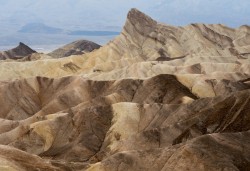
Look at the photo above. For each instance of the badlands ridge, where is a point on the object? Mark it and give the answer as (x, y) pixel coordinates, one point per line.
(156, 98)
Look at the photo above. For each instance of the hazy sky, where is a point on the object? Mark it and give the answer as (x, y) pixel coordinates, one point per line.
(111, 14)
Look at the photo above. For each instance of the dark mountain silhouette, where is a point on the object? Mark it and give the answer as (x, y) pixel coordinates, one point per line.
(39, 28)
(18, 52)
(75, 48)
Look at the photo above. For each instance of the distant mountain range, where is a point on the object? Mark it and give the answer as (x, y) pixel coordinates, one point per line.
(94, 33)
(38, 33)
(40, 28)
(45, 29)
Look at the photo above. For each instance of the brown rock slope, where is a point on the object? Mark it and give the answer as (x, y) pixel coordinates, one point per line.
(126, 107)
(18, 52)
(78, 47)
(75, 122)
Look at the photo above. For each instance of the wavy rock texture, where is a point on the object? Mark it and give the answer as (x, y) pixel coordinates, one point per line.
(157, 97)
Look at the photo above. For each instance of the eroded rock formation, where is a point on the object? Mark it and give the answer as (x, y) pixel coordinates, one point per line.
(121, 108)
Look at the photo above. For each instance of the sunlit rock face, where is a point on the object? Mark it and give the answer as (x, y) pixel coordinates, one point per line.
(157, 97)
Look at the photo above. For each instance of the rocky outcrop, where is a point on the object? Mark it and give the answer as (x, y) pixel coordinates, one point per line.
(75, 48)
(157, 97)
(197, 154)
(18, 52)
(12, 159)
(74, 121)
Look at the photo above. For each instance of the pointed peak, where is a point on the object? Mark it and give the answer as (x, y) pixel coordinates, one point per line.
(134, 12)
(22, 49)
(134, 15)
(137, 20)
(22, 44)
